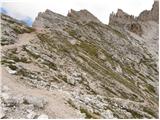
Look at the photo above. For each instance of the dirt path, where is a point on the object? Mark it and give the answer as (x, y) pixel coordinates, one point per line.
(57, 106)
(23, 40)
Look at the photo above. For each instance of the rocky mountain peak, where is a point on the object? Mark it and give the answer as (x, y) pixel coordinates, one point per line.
(120, 18)
(150, 15)
(83, 16)
(131, 23)
(47, 19)
(121, 13)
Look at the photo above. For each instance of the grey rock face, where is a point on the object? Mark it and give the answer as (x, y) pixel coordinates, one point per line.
(82, 16)
(103, 71)
(132, 23)
(36, 101)
(120, 18)
(152, 15)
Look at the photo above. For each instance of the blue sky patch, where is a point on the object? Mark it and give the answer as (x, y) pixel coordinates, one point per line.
(27, 20)
(3, 10)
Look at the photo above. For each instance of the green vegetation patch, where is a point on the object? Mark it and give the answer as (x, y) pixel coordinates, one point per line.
(150, 111)
(88, 114)
(89, 48)
(72, 33)
(150, 88)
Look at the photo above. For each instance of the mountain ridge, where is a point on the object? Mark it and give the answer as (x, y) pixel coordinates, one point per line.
(92, 70)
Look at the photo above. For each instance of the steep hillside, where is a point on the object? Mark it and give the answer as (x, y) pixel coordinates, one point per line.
(74, 66)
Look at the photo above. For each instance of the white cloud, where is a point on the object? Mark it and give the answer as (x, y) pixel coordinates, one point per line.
(100, 8)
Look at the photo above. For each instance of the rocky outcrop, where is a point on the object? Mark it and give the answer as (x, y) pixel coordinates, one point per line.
(82, 16)
(150, 15)
(132, 23)
(47, 19)
(83, 68)
(120, 18)
(123, 20)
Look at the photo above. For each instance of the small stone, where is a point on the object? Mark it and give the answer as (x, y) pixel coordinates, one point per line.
(30, 108)
(5, 96)
(119, 69)
(11, 71)
(2, 115)
(31, 115)
(108, 114)
(70, 80)
(73, 41)
(5, 88)
(36, 101)
(43, 116)
(101, 56)
(11, 101)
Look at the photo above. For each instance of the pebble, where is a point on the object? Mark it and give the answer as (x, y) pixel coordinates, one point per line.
(31, 115)
(43, 116)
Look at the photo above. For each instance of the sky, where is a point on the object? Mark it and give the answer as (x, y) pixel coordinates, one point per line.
(27, 10)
